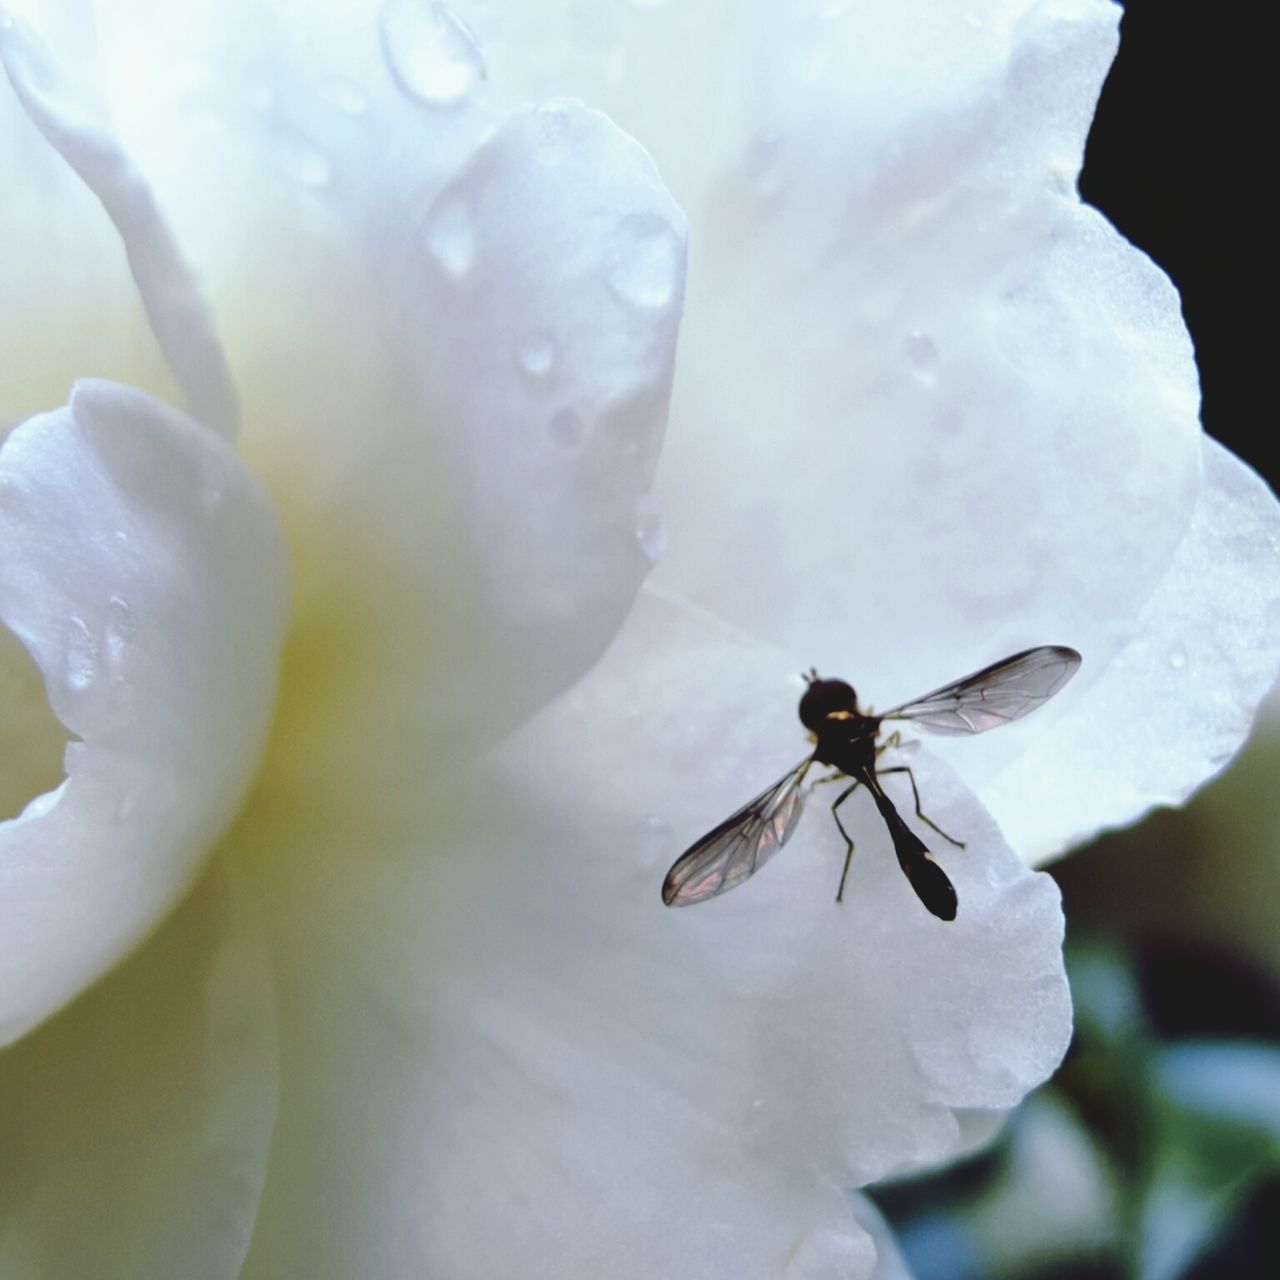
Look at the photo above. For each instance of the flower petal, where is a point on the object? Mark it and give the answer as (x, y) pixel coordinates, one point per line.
(1181, 696)
(142, 569)
(136, 1125)
(481, 315)
(929, 409)
(551, 1062)
(658, 69)
(74, 126)
(890, 1264)
(524, 322)
(548, 351)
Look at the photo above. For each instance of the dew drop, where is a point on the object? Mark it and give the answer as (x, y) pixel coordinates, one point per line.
(212, 496)
(657, 830)
(450, 235)
(763, 166)
(555, 130)
(81, 655)
(567, 429)
(431, 52)
(643, 261)
(922, 355)
(346, 97)
(654, 839)
(122, 626)
(1178, 659)
(536, 355)
(29, 65)
(650, 529)
(303, 161)
(128, 803)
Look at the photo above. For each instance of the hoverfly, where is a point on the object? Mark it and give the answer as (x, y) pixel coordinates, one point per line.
(846, 738)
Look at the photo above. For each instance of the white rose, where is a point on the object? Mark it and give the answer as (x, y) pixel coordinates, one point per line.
(378, 983)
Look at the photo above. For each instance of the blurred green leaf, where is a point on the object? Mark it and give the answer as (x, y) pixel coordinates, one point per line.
(1217, 1135)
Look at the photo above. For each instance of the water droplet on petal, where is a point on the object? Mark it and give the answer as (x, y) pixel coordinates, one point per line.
(128, 803)
(211, 496)
(28, 62)
(655, 841)
(922, 355)
(450, 235)
(344, 95)
(303, 161)
(1178, 659)
(567, 429)
(763, 166)
(81, 655)
(122, 626)
(643, 261)
(431, 52)
(555, 129)
(657, 829)
(650, 529)
(536, 355)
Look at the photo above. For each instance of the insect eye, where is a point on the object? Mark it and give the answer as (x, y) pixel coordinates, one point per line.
(822, 698)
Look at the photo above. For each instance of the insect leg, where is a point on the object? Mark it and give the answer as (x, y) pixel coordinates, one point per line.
(848, 856)
(834, 776)
(902, 768)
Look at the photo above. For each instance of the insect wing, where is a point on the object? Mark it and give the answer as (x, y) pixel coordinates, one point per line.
(1004, 691)
(736, 849)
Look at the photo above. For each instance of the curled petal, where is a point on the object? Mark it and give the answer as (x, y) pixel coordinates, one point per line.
(74, 126)
(467, 309)
(142, 569)
(544, 316)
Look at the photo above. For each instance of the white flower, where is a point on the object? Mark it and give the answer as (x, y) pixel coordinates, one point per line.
(422, 1012)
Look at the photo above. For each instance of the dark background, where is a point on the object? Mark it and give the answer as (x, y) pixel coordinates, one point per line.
(1181, 149)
